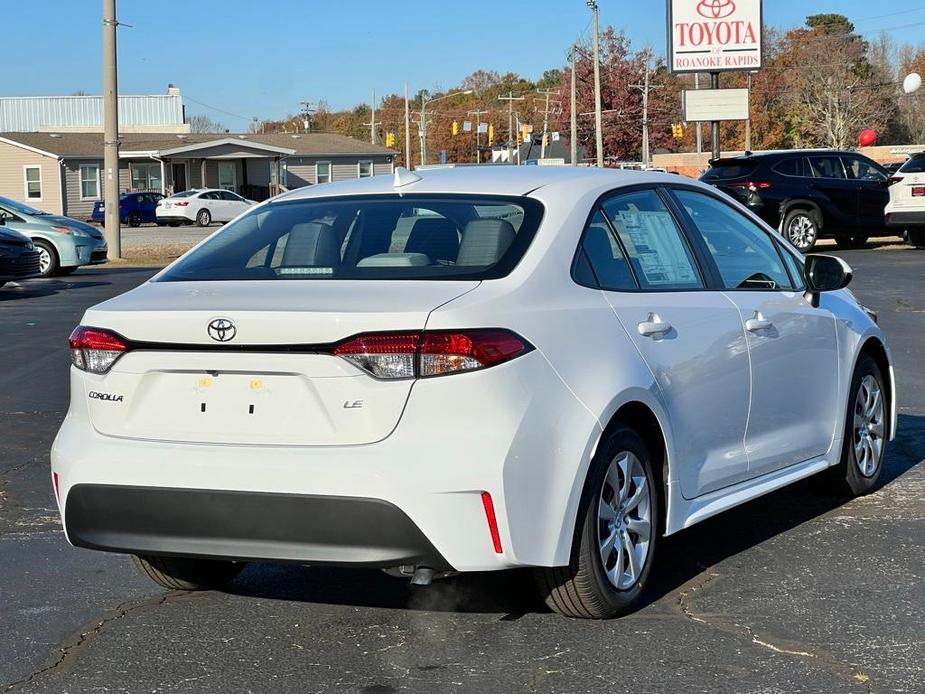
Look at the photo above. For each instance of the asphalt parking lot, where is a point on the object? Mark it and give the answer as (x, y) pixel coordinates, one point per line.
(795, 592)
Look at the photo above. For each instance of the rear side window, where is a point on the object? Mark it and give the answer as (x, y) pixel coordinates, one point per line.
(607, 266)
(796, 166)
(827, 167)
(370, 237)
(655, 245)
(915, 165)
(729, 170)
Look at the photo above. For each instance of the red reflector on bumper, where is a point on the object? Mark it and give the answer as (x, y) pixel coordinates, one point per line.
(56, 481)
(492, 521)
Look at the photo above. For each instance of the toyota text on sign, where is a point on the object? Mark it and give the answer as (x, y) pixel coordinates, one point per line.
(714, 35)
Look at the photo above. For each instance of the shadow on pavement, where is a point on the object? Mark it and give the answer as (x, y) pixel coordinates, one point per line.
(681, 557)
(55, 285)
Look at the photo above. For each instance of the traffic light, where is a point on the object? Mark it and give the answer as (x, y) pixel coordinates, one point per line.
(390, 139)
(456, 127)
(677, 131)
(491, 134)
(545, 139)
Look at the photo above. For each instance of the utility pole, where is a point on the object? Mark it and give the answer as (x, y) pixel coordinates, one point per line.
(645, 87)
(699, 130)
(598, 128)
(574, 131)
(511, 137)
(748, 121)
(478, 126)
(372, 121)
(717, 150)
(307, 112)
(111, 132)
(408, 164)
(547, 93)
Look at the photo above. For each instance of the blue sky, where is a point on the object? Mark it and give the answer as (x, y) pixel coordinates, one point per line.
(251, 58)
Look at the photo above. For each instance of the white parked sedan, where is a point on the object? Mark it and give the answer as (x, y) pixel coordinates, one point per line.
(467, 370)
(201, 207)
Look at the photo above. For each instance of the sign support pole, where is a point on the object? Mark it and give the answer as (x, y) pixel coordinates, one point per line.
(714, 83)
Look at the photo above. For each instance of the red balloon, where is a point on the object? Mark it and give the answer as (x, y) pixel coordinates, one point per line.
(867, 138)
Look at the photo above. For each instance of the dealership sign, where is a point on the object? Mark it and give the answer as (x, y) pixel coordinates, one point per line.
(714, 35)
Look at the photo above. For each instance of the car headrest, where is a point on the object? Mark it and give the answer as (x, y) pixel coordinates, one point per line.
(311, 244)
(435, 238)
(484, 242)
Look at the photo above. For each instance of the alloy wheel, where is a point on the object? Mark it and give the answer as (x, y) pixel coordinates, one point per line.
(802, 232)
(44, 259)
(624, 521)
(868, 426)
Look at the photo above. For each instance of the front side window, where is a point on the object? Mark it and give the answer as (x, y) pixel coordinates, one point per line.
(827, 167)
(655, 245)
(365, 169)
(323, 172)
(89, 181)
(863, 170)
(33, 182)
(382, 237)
(146, 176)
(744, 254)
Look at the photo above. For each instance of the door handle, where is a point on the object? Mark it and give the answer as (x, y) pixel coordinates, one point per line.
(757, 323)
(654, 326)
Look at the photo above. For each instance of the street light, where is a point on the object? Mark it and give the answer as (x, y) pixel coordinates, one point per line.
(424, 121)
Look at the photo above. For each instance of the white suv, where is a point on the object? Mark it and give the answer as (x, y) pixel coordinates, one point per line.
(906, 209)
(467, 370)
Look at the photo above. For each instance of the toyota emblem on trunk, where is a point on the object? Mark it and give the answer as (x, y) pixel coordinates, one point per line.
(222, 330)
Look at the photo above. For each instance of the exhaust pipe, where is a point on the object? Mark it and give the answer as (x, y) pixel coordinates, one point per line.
(423, 575)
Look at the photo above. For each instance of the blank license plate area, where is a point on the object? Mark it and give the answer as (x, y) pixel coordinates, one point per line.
(918, 191)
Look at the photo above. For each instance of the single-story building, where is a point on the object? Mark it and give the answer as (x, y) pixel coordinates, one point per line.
(62, 172)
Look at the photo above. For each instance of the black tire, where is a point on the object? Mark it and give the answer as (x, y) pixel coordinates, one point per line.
(134, 219)
(45, 247)
(64, 271)
(917, 238)
(853, 241)
(846, 478)
(582, 589)
(180, 573)
(801, 228)
(203, 218)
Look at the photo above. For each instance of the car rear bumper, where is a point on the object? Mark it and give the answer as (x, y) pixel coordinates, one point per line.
(904, 219)
(247, 526)
(163, 217)
(514, 431)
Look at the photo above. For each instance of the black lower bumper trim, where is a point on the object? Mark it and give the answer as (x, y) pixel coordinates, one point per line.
(901, 219)
(246, 526)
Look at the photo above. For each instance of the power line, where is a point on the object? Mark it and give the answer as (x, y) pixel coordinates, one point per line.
(890, 14)
(216, 108)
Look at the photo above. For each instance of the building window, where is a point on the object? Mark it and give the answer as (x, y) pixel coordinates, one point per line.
(227, 176)
(89, 181)
(33, 177)
(323, 172)
(365, 169)
(146, 176)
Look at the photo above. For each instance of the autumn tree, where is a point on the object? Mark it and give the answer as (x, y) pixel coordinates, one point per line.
(203, 124)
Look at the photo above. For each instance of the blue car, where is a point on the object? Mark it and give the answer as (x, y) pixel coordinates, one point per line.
(134, 208)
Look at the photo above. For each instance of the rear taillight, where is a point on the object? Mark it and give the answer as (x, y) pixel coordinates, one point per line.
(752, 185)
(95, 350)
(893, 179)
(182, 203)
(432, 353)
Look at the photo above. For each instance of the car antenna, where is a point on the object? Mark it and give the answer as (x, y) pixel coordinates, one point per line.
(403, 177)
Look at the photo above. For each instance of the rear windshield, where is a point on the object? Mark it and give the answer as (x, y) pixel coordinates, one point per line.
(184, 194)
(373, 237)
(729, 170)
(916, 164)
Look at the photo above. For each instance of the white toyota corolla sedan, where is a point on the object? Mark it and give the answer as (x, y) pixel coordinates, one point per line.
(467, 370)
(201, 207)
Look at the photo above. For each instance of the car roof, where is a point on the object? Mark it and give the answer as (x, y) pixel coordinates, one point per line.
(484, 180)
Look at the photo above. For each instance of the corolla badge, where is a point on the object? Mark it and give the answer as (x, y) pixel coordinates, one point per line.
(222, 329)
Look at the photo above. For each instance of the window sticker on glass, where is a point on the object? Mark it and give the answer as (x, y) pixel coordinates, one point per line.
(660, 253)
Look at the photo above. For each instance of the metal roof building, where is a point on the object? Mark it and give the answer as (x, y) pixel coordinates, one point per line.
(154, 113)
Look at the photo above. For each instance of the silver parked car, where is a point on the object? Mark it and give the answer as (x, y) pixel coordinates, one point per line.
(64, 244)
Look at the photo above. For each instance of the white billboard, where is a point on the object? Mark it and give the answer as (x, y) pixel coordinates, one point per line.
(700, 105)
(714, 35)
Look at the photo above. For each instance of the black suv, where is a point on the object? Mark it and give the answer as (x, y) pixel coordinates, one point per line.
(807, 194)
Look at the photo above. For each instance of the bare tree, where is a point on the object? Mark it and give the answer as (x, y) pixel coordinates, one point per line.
(203, 124)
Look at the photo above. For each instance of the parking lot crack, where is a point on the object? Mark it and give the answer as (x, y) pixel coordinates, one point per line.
(812, 655)
(71, 648)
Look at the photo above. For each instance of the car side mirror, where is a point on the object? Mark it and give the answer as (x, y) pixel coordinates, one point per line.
(825, 273)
